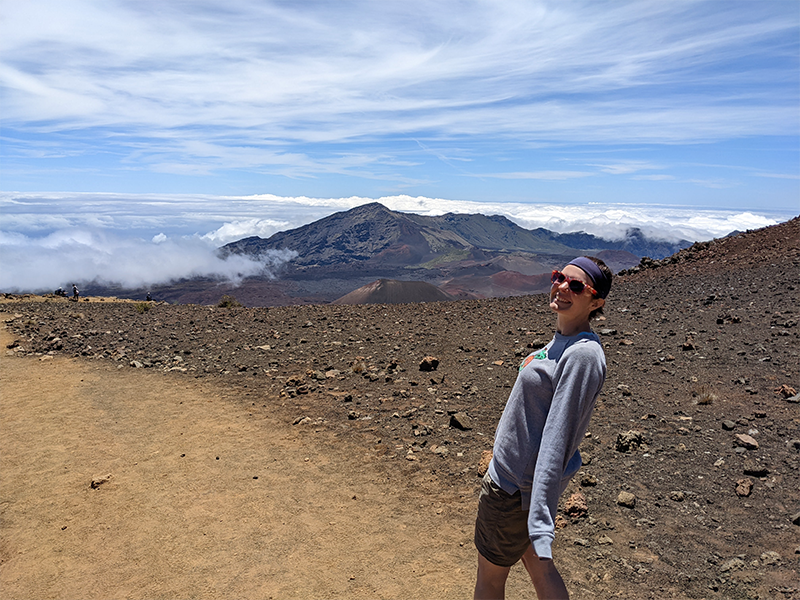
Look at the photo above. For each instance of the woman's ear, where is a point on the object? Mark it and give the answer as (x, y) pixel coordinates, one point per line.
(597, 303)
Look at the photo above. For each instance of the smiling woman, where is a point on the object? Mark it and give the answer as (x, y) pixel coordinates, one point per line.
(535, 451)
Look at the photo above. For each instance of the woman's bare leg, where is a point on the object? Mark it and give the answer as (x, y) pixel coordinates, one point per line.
(545, 577)
(491, 581)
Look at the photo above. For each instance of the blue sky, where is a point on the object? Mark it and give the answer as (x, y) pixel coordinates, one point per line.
(182, 118)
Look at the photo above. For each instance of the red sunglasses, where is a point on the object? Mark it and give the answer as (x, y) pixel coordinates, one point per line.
(576, 286)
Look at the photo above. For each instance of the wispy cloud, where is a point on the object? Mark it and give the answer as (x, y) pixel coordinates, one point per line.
(541, 175)
(777, 175)
(193, 88)
(654, 177)
(626, 167)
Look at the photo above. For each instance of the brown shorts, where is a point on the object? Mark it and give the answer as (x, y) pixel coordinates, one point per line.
(501, 529)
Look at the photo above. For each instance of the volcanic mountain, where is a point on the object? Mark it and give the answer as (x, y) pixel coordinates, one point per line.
(467, 255)
(372, 235)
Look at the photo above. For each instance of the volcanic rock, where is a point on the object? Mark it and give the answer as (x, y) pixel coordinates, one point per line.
(391, 291)
(626, 499)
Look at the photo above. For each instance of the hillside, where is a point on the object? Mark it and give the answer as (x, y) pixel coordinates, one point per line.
(473, 256)
(350, 249)
(698, 421)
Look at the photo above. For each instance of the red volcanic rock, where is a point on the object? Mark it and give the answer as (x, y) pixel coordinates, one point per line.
(392, 291)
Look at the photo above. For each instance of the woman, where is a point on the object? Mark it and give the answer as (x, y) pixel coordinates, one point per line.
(536, 443)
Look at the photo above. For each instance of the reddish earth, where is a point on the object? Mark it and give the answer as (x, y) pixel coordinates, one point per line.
(691, 487)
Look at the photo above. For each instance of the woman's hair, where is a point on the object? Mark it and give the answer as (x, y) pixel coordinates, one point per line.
(608, 275)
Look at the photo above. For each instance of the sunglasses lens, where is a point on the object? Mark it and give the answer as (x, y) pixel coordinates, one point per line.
(558, 277)
(576, 286)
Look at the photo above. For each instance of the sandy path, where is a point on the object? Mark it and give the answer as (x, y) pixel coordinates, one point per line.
(205, 499)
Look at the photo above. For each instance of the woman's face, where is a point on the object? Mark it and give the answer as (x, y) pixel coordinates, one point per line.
(567, 303)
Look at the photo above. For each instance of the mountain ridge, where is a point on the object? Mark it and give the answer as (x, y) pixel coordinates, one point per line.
(372, 234)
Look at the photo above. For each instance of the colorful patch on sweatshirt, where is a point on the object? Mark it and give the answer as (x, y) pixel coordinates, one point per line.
(540, 355)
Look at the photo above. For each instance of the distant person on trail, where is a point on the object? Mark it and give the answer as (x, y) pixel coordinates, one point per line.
(75, 293)
(536, 444)
(149, 297)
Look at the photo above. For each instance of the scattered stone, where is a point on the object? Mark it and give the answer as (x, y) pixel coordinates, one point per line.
(794, 399)
(745, 441)
(483, 465)
(461, 420)
(734, 564)
(588, 481)
(754, 468)
(629, 441)
(677, 496)
(575, 506)
(771, 558)
(794, 444)
(796, 518)
(581, 542)
(429, 363)
(786, 391)
(626, 499)
(98, 481)
(301, 420)
(604, 540)
(728, 425)
(744, 487)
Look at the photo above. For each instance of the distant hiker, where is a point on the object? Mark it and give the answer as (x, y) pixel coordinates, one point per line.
(149, 297)
(61, 293)
(536, 444)
(75, 293)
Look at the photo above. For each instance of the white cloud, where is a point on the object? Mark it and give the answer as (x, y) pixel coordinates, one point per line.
(236, 230)
(84, 255)
(41, 253)
(217, 220)
(653, 177)
(541, 175)
(189, 88)
(626, 167)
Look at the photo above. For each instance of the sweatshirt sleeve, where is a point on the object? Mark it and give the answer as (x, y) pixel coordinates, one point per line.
(579, 377)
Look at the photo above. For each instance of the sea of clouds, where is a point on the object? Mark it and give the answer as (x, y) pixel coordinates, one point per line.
(134, 241)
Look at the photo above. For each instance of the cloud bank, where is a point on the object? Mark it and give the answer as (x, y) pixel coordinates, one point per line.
(141, 240)
(82, 255)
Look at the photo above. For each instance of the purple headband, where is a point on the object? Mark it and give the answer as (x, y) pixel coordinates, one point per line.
(601, 283)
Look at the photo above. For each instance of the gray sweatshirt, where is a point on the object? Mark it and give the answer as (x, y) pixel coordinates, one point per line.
(543, 423)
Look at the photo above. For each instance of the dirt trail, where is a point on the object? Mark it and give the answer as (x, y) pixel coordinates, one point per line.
(204, 499)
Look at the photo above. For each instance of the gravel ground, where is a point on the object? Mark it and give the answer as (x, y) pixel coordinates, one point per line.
(691, 484)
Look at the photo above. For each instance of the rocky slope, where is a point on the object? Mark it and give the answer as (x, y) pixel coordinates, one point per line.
(691, 481)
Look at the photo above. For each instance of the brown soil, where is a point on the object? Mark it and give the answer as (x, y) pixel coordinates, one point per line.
(701, 348)
(203, 498)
